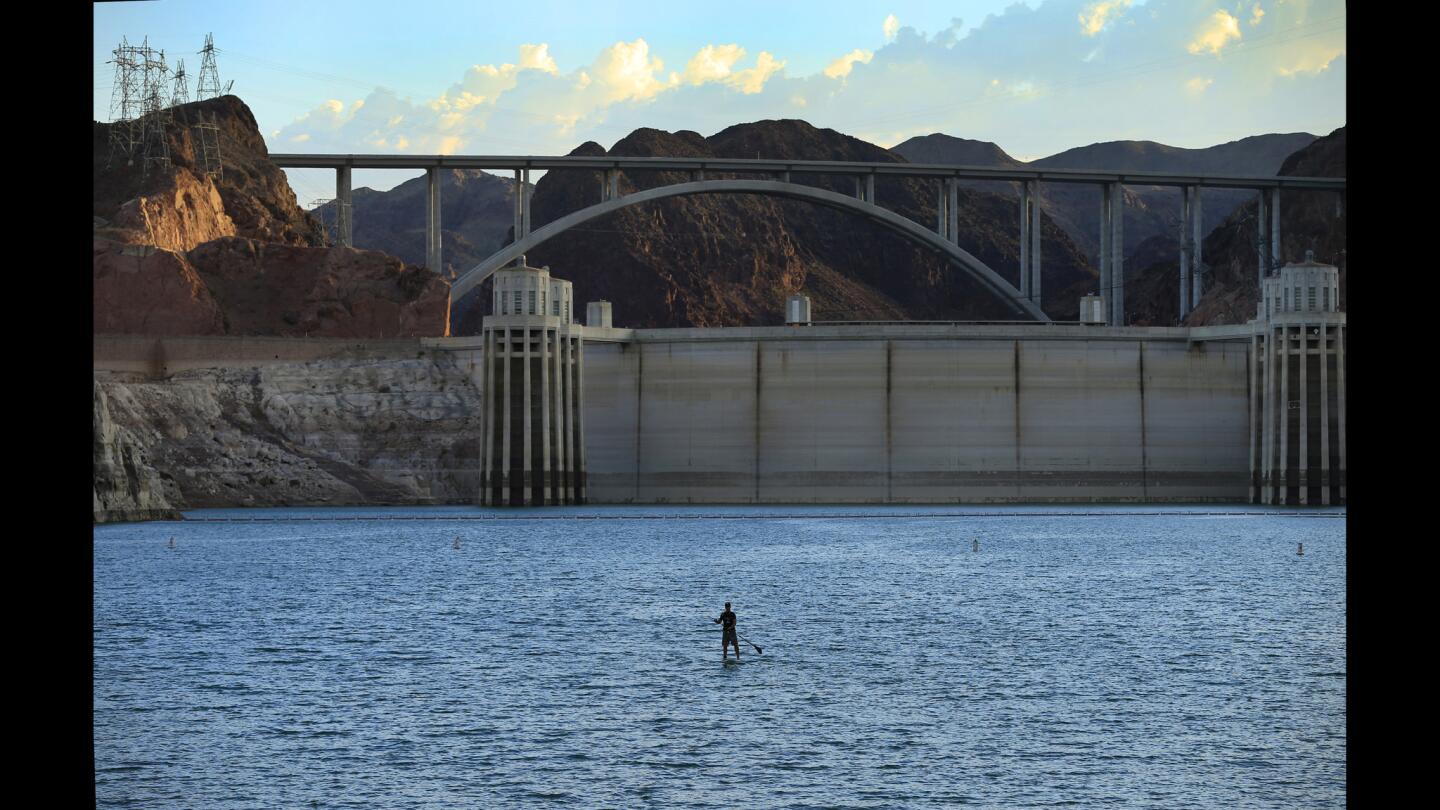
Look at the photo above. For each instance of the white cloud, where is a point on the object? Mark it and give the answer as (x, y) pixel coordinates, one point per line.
(753, 80)
(537, 57)
(1219, 29)
(1094, 16)
(627, 71)
(841, 67)
(891, 27)
(711, 63)
(1257, 14)
(1198, 85)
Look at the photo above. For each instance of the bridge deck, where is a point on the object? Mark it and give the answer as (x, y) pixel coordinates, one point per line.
(770, 167)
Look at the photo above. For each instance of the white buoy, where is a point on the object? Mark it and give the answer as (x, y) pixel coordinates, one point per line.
(1301, 550)
(457, 541)
(172, 542)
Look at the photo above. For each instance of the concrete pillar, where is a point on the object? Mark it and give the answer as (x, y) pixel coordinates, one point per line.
(526, 477)
(1254, 414)
(1035, 241)
(487, 415)
(952, 206)
(1117, 254)
(1325, 414)
(1302, 464)
(942, 217)
(1025, 239)
(562, 432)
(519, 224)
(870, 188)
(1262, 231)
(582, 488)
(605, 184)
(545, 405)
(614, 181)
(1185, 247)
(432, 219)
(527, 192)
(1276, 253)
(1284, 414)
(785, 176)
(1339, 405)
(507, 424)
(699, 174)
(1267, 467)
(1197, 268)
(1104, 259)
(343, 225)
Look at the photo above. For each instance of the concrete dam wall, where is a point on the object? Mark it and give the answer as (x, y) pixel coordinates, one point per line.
(916, 414)
(904, 413)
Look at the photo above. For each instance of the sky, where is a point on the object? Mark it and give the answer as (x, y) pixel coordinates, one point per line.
(541, 77)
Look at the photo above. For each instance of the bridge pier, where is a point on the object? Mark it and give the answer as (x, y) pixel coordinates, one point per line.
(1035, 242)
(1185, 249)
(1276, 253)
(942, 215)
(1025, 239)
(432, 219)
(870, 188)
(1197, 250)
(1116, 222)
(1262, 237)
(343, 232)
(1104, 259)
(952, 188)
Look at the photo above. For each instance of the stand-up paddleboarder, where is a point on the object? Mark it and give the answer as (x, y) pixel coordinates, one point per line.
(727, 623)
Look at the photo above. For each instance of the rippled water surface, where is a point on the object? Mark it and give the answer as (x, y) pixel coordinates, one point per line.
(1127, 657)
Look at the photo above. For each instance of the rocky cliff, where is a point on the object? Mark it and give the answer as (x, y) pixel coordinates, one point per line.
(180, 207)
(177, 251)
(332, 432)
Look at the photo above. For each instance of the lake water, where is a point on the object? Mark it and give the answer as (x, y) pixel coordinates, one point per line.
(344, 658)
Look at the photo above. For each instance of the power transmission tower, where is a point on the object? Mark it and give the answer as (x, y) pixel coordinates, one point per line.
(208, 86)
(207, 143)
(181, 94)
(207, 130)
(125, 102)
(154, 113)
(316, 206)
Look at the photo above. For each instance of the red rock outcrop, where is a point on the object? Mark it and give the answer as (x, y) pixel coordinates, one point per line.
(144, 289)
(270, 289)
(181, 212)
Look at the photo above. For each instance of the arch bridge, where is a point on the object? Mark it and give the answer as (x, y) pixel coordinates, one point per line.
(777, 181)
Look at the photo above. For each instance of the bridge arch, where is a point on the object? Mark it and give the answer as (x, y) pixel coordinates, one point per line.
(906, 228)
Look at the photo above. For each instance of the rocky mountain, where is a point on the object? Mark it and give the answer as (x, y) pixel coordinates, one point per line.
(941, 148)
(177, 251)
(1309, 220)
(723, 260)
(476, 213)
(1150, 211)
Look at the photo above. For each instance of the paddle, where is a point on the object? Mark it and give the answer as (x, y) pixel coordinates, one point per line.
(748, 641)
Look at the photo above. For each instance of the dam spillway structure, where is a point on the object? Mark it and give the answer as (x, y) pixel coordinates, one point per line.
(1297, 394)
(532, 445)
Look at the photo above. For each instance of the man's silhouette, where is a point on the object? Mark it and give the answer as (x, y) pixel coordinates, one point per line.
(727, 622)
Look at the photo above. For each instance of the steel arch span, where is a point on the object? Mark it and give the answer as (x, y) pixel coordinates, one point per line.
(906, 228)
